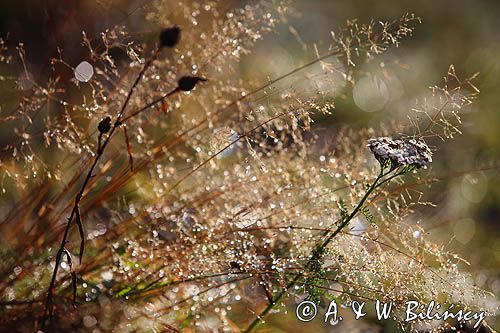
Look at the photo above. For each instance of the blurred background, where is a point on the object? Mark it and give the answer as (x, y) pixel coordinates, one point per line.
(463, 33)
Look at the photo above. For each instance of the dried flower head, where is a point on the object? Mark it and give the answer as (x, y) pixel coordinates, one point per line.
(400, 153)
(169, 37)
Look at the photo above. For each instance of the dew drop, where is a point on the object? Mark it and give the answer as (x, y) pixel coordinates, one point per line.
(84, 71)
(107, 275)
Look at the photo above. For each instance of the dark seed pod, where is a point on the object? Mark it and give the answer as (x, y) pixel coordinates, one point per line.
(170, 37)
(104, 125)
(234, 265)
(187, 83)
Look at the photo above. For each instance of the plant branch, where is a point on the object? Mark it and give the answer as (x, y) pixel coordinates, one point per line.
(318, 249)
(48, 308)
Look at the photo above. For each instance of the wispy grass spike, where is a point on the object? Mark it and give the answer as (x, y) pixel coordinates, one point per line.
(129, 148)
(73, 283)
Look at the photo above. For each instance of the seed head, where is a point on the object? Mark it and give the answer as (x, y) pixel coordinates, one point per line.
(400, 153)
(104, 125)
(187, 83)
(169, 37)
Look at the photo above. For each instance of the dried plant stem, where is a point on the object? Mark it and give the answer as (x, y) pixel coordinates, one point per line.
(75, 212)
(147, 106)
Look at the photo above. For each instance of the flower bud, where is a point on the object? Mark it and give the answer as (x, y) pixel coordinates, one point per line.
(104, 125)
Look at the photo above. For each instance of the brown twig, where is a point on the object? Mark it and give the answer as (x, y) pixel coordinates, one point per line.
(75, 212)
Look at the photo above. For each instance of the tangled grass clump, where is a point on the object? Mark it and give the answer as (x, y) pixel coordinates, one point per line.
(198, 201)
